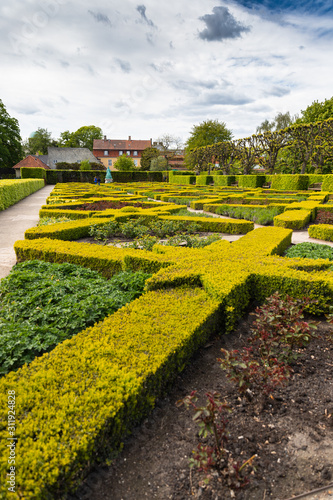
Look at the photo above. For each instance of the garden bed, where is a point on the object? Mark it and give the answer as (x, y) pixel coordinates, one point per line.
(291, 435)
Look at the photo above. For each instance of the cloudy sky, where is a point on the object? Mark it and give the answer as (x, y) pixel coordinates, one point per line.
(146, 69)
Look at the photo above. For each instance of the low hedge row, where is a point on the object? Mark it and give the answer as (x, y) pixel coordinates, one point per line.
(182, 179)
(199, 204)
(204, 180)
(232, 226)
(290, 182)
(311, 206)
(65, 176)
(12, 190)
(250, 181)
(106, 260)
(67, 231)
(32, 173)
(327, 184)
(293, 219)
(77, 402)
(223, 180)
(321, 232)
(70, 214)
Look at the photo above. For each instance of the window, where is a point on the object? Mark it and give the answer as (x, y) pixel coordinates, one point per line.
(106, 153)
(135, 153)
(120, 153)
(128, 153)
(55, 161)
(110, 163)
(135, 162)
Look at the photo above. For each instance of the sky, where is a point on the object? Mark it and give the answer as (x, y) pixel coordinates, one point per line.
(148, 69)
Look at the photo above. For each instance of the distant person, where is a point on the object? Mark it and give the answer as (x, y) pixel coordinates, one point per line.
(98, 181)
(95, 180)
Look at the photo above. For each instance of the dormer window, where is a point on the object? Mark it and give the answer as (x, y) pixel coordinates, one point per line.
(120, 153)
(128, 153)
(106, 153)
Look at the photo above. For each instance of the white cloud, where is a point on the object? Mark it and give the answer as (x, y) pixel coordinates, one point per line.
(142, 70)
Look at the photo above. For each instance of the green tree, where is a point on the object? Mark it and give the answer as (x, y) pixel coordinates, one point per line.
(160, 163)
(11, 151)
(147, 156)
(40, 141)
(124, 163)
(281, 121)
(83, 138)
(317, 111)
(85, 165)
(205, 134)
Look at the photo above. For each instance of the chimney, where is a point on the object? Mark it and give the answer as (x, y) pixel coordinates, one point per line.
(129, 138)
(105, 138)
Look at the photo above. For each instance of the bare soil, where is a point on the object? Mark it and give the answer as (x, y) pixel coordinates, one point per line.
(291, 434)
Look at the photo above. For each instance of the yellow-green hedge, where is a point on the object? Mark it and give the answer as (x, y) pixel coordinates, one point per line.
(107, 260)
(293, 219)
(321, 232)
(77, 402)
(70, 214)
(80, 400)
(70, 230)
(229, 226)
(14, 190)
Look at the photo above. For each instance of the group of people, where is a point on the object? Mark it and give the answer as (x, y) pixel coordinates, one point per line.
(97, 180)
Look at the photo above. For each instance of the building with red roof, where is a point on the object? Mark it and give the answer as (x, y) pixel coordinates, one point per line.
(109, 150)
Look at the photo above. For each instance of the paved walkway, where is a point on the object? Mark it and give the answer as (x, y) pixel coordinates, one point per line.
(15, 221)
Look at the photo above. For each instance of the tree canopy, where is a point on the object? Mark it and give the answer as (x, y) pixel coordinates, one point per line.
(147, 156)
(317, 111)
(207, 133)
(124, 163)
(159, 164)
(40, 141)
(10, 140)
(82, 138)
(281, 121)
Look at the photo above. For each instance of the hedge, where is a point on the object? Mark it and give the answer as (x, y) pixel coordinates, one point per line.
(32, 173)
(293, 219)
(77, 402)
(224, 180)
(70, 230)
(106, 260)
(250, 181)
(327, 184)
(204, 180)
(285, 182)
(312, 206)
(12, 191)
(321, 232)
(182, 179)
(229, 226)
(80, 400)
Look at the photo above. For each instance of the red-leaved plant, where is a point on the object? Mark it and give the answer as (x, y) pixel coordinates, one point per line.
(277, 333)
(212, 421)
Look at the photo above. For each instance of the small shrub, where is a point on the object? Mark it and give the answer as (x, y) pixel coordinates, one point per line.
(212, 421)
(277, 334)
